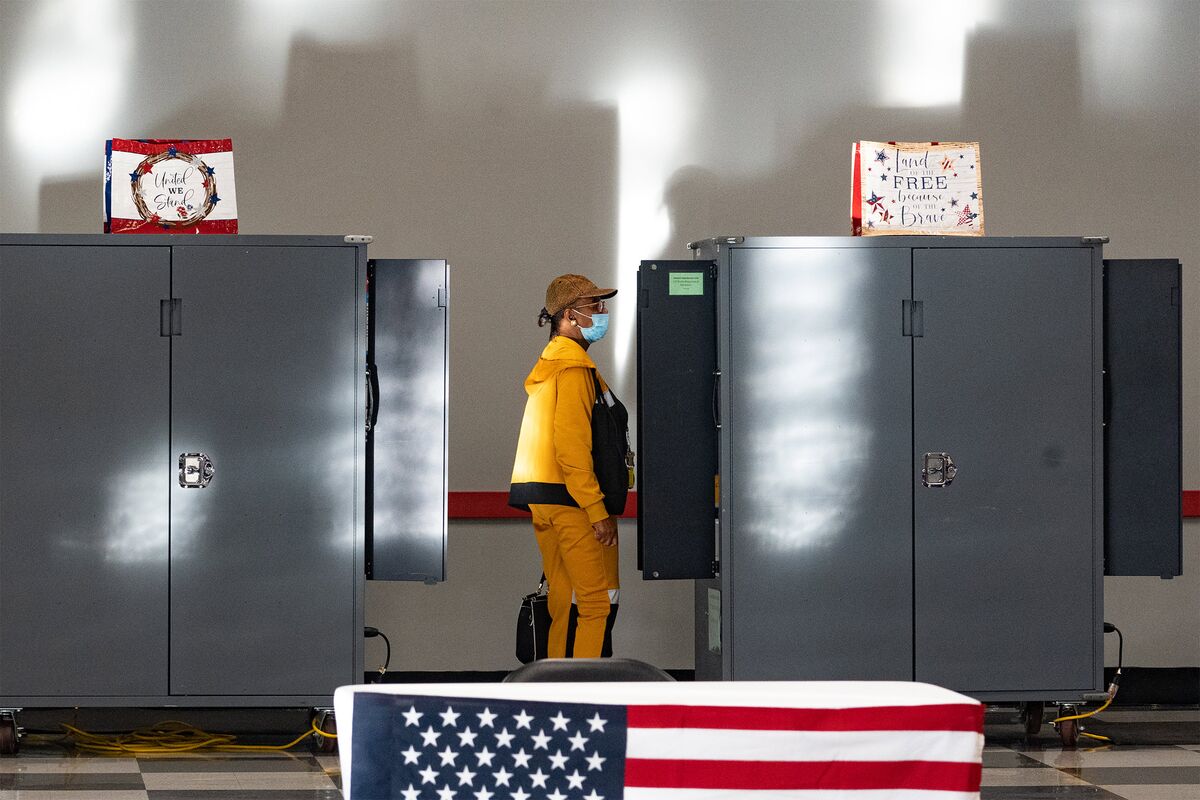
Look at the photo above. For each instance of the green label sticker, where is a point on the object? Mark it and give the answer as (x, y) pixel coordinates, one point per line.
(686, 283)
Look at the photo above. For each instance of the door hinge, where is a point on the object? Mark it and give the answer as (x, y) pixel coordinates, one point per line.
(912, 318)
(170, 317)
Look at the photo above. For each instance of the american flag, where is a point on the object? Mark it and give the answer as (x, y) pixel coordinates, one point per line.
(413, 747)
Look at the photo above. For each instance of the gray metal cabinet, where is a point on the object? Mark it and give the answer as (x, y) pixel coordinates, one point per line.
(815, 438)
(853, 377)
(263, 559)
(84, 446)
(117, 356)
(407, 358)
(1006, 380)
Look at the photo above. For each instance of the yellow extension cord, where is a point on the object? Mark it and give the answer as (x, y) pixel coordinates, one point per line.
(1095, 736)
(173, 736)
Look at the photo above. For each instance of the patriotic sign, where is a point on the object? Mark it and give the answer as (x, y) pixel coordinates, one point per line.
(419, 747)
(169, 186)
(916, 188)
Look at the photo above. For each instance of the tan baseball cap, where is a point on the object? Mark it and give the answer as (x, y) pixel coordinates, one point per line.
(564, 290)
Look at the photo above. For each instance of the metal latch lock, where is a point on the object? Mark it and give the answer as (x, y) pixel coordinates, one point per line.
(938, 470)
(195, 470)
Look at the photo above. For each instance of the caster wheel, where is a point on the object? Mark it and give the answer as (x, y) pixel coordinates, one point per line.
(1031, 717)
(8, 736)
(325, 721)
(1068, 732)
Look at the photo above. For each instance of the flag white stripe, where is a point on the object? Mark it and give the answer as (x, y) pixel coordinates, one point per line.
(703, 744)
(795, 794)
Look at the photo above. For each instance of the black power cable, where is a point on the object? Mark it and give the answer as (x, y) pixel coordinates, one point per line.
(1116, 681)
(371, 633)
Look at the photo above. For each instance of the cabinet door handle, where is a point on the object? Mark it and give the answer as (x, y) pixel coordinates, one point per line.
(372, 396)
(938, 470)
(195, 470)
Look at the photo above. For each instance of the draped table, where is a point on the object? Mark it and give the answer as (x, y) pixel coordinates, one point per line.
(659, 741)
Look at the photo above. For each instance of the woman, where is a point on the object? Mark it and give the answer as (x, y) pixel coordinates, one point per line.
(553, 476)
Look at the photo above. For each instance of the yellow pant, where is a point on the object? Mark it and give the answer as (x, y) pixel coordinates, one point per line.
(575, 564)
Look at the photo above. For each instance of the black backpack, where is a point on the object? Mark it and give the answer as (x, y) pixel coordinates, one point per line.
(612, 458)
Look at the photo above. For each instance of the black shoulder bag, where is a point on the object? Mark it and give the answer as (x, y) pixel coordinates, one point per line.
(533, 625)
(612, 457)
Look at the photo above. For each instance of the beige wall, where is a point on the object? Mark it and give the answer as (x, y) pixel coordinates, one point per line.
(520, 140)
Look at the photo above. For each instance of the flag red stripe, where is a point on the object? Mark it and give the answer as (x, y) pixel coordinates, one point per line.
(948, 717)
(153, 146)
(119, 225)
(947, 776)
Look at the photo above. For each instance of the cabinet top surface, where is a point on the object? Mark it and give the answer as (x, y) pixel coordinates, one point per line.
(172, 240)
(897, 241)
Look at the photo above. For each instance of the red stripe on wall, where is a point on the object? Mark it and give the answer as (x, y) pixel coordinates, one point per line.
(494, 505)
(947, 776)
(948, 717)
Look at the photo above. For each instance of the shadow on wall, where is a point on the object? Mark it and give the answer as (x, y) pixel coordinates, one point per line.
(510, 185)
(512, 188)
(1050, 164)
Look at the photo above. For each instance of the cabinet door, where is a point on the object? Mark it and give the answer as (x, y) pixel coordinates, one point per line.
(677, 425)
(1143, 322)
(1006, 556)
(266, 378)
(816, 495)
(83, 480)
(406, 536)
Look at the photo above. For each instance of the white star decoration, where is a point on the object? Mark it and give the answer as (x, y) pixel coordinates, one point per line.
(531, 776)
(558, 761)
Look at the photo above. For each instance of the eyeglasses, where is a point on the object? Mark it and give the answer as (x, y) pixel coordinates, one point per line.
(600, 306)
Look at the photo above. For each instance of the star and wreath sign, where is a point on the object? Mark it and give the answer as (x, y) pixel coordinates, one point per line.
(174, 189)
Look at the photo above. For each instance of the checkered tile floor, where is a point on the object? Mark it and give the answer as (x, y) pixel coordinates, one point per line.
(1156, 756)
(1014, 768)
(47, 773)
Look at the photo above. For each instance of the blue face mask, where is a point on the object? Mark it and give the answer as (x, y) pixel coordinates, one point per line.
(598, 329)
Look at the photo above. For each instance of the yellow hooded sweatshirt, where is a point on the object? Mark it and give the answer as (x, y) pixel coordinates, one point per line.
(554, 453)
